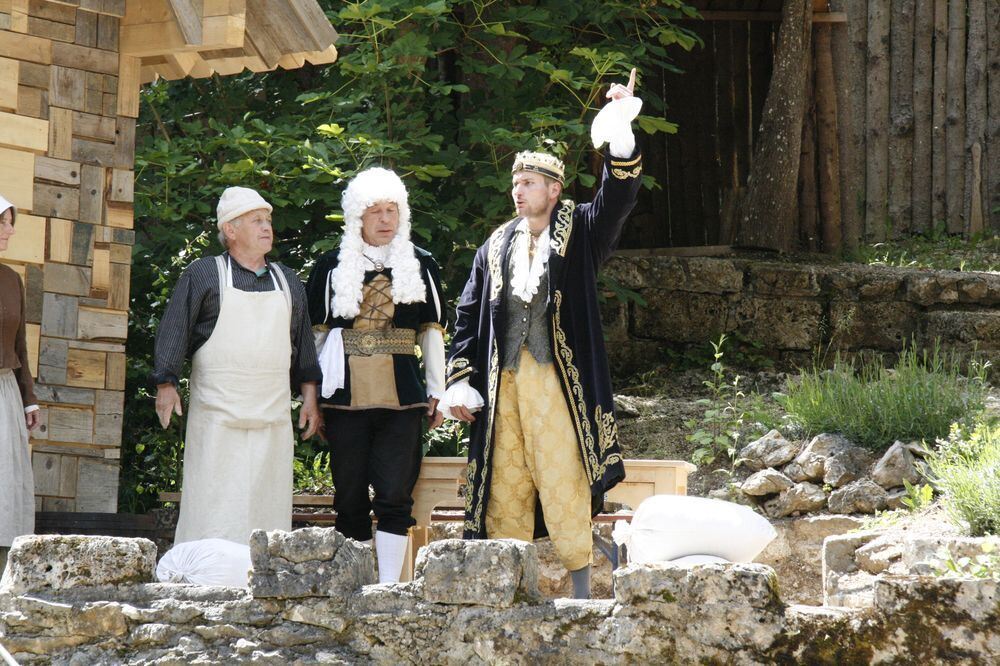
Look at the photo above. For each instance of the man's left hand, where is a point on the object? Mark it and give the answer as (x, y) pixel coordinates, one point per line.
(32, 420)
(618, 91)
(434, 415)
(309, 416)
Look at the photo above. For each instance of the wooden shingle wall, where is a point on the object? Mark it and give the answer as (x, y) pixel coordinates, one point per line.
(68, 104)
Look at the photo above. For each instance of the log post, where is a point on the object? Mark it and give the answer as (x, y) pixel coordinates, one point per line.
(828, 150)
(877, 122)
(974, 203)
(955, 117)
(992, 157)
(923, 82)
(850, 45)
(809, 234)
(901, 117)
(767, 215)
(939, 143)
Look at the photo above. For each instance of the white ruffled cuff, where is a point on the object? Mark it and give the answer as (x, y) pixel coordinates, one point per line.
(30, 408)
(460, 394)
(432, 349)
(613, 125)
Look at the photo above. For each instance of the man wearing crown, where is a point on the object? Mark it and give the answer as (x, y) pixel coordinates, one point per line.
(528, 367)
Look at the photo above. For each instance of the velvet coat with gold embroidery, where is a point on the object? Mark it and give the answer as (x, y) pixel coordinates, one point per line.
(583, 238)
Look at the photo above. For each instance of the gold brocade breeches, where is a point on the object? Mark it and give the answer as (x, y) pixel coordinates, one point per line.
(536, 452)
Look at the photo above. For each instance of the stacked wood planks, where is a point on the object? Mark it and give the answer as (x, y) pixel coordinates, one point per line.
(67, 134)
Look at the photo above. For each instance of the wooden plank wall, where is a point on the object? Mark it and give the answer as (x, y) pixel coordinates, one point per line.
(902, 136)
(68, 105)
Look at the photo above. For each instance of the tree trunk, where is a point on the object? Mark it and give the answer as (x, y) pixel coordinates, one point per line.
(955, 116)
(808, 203)
(828, 152)
(975, 114)
(767, 215)
(923, 71)
(939, 143)
(877, 121)
(850, 45)
(992, 157)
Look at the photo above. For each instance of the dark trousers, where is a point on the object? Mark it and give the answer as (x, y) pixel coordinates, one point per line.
(380, 448)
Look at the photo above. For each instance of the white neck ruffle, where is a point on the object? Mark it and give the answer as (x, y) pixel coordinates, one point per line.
(526, 273)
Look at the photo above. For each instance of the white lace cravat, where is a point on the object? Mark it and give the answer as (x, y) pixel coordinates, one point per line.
(527, 270)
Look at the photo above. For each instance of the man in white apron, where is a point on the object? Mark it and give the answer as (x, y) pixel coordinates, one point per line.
(246, 322)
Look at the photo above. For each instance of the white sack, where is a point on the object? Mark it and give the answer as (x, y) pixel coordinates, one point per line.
(206, 562)
(666, 527)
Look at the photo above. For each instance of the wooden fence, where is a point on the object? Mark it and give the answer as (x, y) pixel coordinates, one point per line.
(901, 133)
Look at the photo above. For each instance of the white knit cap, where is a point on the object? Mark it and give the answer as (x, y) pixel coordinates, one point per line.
(236, 201)
(4, 205)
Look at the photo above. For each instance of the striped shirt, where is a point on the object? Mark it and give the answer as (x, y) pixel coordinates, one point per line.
(194, 308)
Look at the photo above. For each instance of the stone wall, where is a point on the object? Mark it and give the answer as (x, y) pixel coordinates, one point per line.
(471, 602)
(792, 309)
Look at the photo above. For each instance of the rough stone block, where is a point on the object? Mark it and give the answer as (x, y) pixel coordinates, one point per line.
(784, 280)
(753, 585)
(963, 330)
(311, 562)
(680, 317)
(844, 584)
(45, 563)
(497, 572)
(872, 324)
(781, 323)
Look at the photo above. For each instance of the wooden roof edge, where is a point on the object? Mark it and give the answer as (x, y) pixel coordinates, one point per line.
(178, 66)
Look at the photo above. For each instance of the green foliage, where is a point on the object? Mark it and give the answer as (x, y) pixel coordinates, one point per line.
(936, 249)
(727, 412)
(918, 497)
(450, 439)
(966, 469)
(443, 91)
(874, 406)
(984, 565)
(312, 475)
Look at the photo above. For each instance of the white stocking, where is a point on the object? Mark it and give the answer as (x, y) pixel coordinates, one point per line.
(391, 549)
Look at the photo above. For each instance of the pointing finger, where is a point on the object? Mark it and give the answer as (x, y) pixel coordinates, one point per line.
(631, 81)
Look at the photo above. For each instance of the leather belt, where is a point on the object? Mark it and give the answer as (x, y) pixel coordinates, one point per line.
(380, 341)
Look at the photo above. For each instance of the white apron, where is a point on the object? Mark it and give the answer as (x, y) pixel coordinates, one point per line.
(239, 444)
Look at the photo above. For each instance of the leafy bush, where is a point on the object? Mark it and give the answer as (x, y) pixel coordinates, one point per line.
(874, 406)
(966, 469)
(312, 475)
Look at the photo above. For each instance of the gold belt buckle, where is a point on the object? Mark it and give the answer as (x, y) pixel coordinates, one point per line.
(367, 343)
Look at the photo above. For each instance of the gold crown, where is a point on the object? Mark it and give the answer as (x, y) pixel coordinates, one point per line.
(543, 163)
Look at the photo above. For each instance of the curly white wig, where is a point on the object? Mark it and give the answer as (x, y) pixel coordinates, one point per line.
(347, 279)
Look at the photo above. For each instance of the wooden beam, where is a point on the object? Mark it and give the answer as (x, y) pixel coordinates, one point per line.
(694, 251)
(188, 17)
(770, 17)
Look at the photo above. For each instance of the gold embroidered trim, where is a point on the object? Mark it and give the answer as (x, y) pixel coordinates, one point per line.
(608, 434)
(622, 174)
(477, 515)
(458, 376)
(457, 363)
(626, 163)
(358, 342)
(493, 259)
(564, 227)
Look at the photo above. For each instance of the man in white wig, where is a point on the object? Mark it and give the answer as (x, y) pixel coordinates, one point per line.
(244, 322)
(528, 350)
(376, 298)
